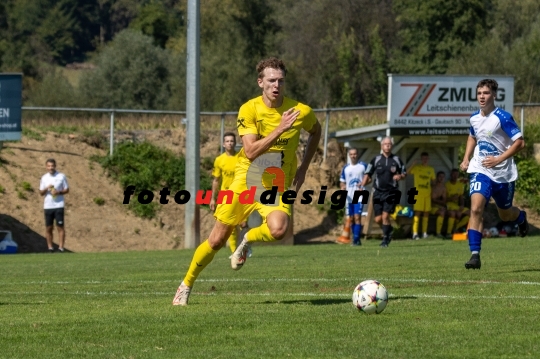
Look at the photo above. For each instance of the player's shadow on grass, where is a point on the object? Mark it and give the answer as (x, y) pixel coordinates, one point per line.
(27, 239)
(326, 301)
(526, 270)
(404, 297)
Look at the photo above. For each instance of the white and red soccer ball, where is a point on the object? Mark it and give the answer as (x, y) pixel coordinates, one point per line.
(370, 297)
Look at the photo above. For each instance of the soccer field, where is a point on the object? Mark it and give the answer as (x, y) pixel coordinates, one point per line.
(287, 302)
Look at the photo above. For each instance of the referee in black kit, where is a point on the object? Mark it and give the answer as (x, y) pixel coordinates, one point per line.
(390, 170)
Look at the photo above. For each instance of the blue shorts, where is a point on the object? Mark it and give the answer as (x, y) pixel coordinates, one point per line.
(352, 209)
(502, 193)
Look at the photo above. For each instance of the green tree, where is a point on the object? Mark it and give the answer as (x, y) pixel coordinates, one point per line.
(155, 20)
(131, 73)
(336, 57)
(434, 31)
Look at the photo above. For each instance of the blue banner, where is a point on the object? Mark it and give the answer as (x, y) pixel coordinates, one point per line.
(10, 107)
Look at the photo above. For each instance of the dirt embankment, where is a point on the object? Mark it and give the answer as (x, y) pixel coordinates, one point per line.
(91, 227)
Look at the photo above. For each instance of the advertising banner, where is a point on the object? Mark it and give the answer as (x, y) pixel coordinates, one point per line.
(10, 107)
(433, 105)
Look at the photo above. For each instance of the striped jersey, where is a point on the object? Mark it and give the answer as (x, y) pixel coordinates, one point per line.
(494, 134)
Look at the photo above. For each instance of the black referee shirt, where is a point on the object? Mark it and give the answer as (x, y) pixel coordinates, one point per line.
(385, 168)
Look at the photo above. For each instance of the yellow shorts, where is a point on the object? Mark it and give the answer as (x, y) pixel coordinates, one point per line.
(435, 208)
(451, 206)
(423, 204)
(236, 212)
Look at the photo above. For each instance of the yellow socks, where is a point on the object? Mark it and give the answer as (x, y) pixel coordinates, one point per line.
(425, 223)
(463, 222)
(202, 257)
(416, 223)
(260, 234)
(451, 222)
(232, 240)
(440, 220)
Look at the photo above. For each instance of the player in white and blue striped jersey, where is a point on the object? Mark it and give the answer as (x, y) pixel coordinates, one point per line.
(495, 138)
(350, 179)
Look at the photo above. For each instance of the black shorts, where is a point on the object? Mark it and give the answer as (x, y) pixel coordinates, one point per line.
(380, 204)
(54, 214)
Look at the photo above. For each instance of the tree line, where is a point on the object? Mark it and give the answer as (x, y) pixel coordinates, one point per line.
(338, 52)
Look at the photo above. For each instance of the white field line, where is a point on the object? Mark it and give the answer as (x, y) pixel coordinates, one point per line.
(277, 295)
(315, 280)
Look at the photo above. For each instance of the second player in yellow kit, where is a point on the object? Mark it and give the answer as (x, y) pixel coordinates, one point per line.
(223, 175)
(424, 175)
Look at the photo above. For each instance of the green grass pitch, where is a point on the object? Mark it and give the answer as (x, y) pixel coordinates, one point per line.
(287, 302)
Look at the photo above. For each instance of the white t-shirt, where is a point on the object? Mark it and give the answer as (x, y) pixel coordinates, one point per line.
(352, 176)
(494, 134)
(59, 181)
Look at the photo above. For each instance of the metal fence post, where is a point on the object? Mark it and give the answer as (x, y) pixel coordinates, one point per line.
(326, 123)
(222, 132)
(111, 146)
(522, 122)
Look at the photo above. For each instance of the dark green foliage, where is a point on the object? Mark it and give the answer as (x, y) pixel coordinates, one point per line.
(433, 31)
(157, 21)
(338, 52)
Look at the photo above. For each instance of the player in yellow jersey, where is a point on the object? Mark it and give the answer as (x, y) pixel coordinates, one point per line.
(438, 202)
(224, 166)
(424, 175)
(270, 128)
(455, 202)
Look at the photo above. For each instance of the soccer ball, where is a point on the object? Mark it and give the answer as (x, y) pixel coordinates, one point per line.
(370, 297)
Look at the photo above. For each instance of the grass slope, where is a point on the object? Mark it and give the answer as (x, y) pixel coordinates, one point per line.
(286, 302)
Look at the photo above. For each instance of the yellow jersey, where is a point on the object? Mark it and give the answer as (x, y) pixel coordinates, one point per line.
(256, 118)
(453, 189)
(423, 175)
(224, 166)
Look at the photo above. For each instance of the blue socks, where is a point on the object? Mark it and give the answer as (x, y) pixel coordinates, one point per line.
(475, 240)
(357, 231)
(520, 218)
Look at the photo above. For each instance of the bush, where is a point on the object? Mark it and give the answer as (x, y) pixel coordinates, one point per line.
(131, 73)
(27, 186)
(99, 201)
(54, 90)
(527, 184)
(148, 167)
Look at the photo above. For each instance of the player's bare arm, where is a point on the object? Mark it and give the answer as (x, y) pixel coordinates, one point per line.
(55, 192)
(215, 190)
(492, 161)
(311, 148)
(366, 180)
(469, 149)
(254, 147)
(412, 165)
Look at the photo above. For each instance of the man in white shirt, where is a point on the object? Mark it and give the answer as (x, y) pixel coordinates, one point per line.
(53, 186)
(495, 138)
